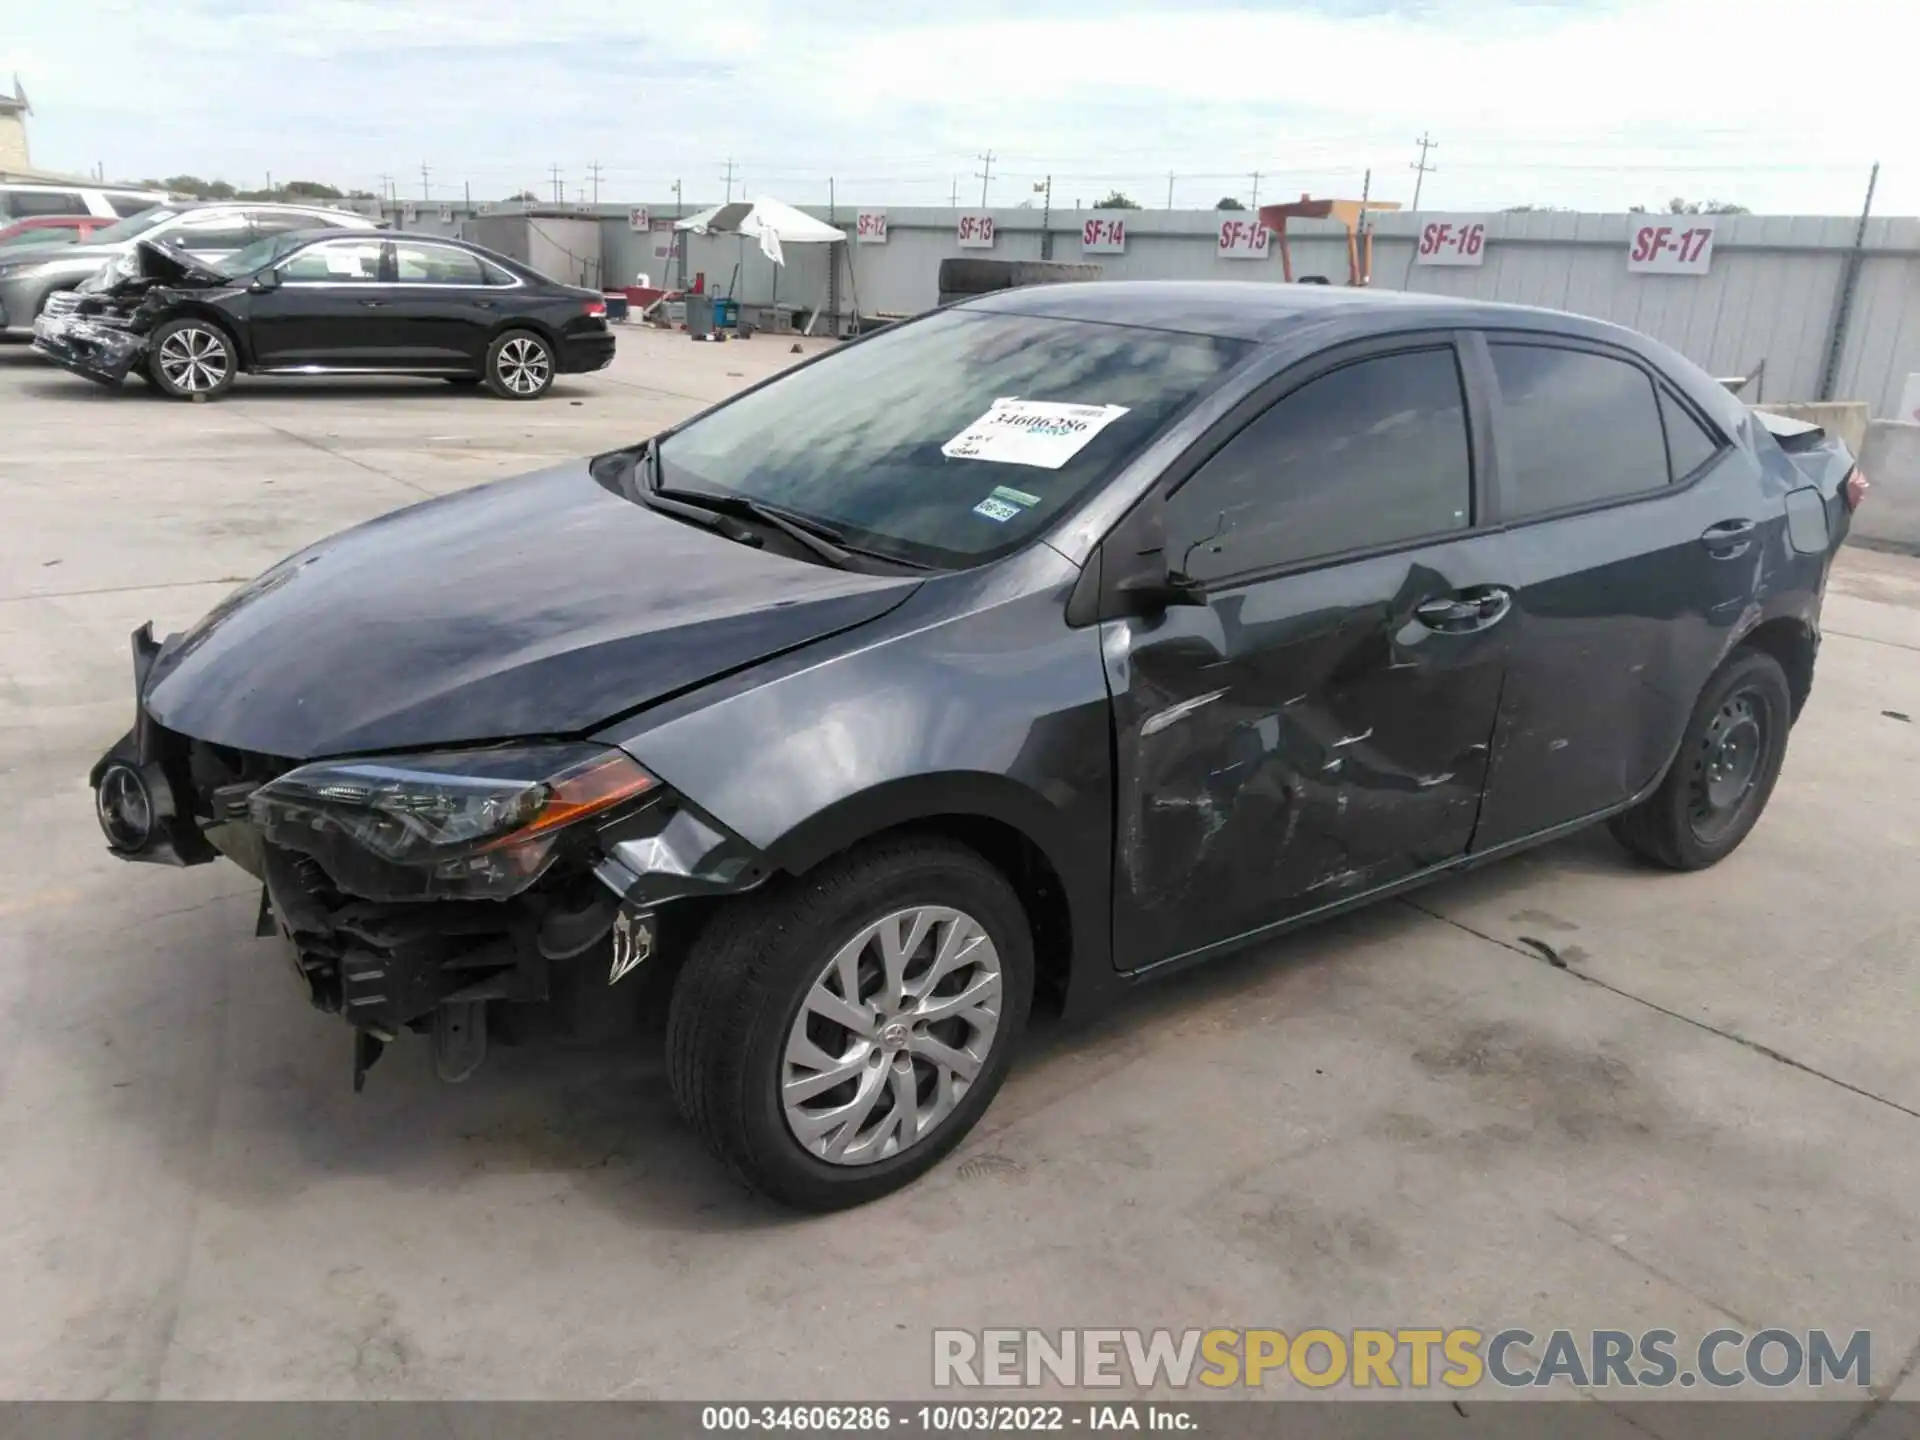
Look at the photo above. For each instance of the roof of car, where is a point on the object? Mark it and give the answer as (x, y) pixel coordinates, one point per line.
(1265, 311)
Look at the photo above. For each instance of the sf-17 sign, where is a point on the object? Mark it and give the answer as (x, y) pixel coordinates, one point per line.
(1680, 246)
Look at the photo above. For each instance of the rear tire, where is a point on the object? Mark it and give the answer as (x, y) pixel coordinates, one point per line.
(761, 1021)
(1720, 781)
(520, 366)
(191, 359)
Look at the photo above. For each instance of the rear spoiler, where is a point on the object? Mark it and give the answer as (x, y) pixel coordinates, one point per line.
(1791, 433)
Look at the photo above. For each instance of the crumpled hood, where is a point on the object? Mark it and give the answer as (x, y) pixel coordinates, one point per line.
(543, 605)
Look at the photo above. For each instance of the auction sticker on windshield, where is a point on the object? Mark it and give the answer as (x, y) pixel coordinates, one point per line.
(1042, 433)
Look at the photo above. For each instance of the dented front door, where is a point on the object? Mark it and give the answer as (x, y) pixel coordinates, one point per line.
(1300, 740)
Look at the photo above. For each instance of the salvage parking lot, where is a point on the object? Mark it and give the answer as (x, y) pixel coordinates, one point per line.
(1565, 1092)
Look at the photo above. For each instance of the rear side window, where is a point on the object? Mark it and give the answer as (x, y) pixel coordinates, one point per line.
(436, 265)
(1689, 444)
(47, 202)
(1373, 453)
(212, 232)
(124, 205)
(1576, 428)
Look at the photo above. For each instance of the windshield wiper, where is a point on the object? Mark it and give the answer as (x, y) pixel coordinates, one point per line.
(821, 539)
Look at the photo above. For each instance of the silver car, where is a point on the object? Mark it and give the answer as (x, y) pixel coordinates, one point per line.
(36, 277)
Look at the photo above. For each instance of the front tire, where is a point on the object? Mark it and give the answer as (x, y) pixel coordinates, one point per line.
(833, 1039)
(1730, 757)
(191, 359)
(520, 366)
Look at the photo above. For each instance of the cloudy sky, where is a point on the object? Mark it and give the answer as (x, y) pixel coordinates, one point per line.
(1594, 104)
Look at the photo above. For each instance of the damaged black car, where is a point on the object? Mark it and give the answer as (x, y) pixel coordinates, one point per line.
(1012, 656)
(326, 302)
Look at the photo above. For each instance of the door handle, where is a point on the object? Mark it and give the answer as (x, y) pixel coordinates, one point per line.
(374, 304)
(1729, 539)
(1473, 609)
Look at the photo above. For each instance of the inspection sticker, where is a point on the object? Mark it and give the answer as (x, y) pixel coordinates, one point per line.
(1042, 433)
(997, 510)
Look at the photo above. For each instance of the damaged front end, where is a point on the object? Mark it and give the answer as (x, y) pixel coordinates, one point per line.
(99, 331)
(426, 892)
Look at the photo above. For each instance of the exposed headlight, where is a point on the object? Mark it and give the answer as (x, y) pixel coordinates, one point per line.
(466, 823)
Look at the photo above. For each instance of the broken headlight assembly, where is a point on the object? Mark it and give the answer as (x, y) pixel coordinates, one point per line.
(468, 824)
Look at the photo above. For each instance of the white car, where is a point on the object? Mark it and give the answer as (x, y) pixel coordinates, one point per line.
(20, 200)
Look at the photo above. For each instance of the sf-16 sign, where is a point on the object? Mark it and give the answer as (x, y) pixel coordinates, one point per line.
(1681, 246)
(1452, 242)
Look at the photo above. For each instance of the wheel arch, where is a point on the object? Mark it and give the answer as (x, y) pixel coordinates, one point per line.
(1790, 640)
(1006, 824)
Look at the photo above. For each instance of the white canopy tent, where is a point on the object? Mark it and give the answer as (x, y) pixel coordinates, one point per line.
(770, 222)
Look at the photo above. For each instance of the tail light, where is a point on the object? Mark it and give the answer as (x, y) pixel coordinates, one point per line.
(1855, 489)
(596, 309)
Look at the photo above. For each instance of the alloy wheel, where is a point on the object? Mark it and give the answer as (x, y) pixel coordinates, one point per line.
(194, 360)
(524, 366)
(1726, 764)
(891, 1034)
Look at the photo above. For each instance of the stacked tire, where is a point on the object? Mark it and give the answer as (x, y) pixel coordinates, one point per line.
(965, 276)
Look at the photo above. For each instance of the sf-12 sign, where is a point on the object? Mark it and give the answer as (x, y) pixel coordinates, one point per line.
(1104, 235)
(1681, 246)
(871, 229)
(1243, 240)
(638, 221)
(1452, 242)
(974, 232)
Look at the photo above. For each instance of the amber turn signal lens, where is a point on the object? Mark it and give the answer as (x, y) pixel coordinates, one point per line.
(599, 784)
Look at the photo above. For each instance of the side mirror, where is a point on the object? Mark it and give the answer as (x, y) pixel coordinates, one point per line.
(1151, 592)
(268, 279)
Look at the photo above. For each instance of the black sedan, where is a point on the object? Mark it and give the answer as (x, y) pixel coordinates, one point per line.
(328, 302)
(1020, 653)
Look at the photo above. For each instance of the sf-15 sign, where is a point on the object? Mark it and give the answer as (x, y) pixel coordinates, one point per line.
(1243, 240)
(1681, 246)
(1452, 242)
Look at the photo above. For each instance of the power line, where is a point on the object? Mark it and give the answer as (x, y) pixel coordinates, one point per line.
(984, 175)
(1420, 166)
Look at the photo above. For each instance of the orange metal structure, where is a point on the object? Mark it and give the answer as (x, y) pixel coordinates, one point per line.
(1347, 212)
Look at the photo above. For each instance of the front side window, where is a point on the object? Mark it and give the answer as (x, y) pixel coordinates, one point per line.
(1576, 428)
(123, 204)
(417, 264)
(950, 440)
(1373, 453)
(341, 262)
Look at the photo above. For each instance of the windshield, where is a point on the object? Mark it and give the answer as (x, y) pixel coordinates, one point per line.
(953, 439)
(258, 255)
(133, 225)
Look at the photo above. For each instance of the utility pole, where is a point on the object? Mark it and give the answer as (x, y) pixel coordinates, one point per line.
(1362, 246)
(953, 200)
(386, 186)
(1255, 206)
(594, 170)
(1169, 190)
(269, 184)
(729, 179)
(676, 199)
(559, 186)
(1045, 188)
(984, 175)
(1843, 297)
(1420, 166)
(426, 192)
(469, 185)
